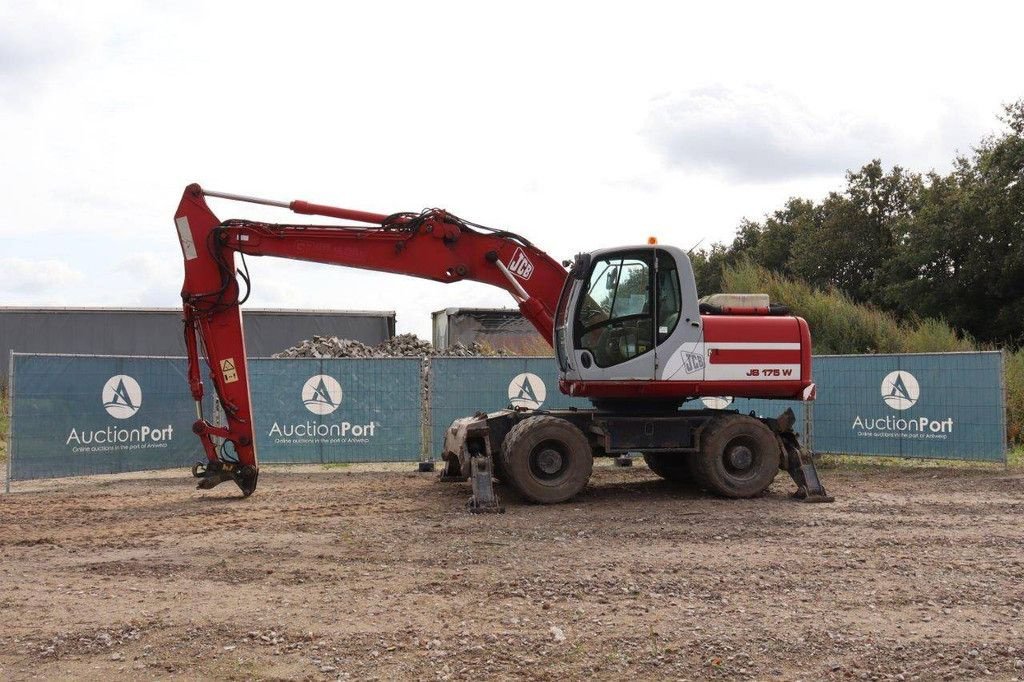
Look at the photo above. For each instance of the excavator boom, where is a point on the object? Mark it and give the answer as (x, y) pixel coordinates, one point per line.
(432, 244)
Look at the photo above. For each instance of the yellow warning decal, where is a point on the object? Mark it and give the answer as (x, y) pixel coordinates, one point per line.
(227, 368)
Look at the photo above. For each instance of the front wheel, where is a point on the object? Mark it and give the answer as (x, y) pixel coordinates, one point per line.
(547, 459)
(739, 456)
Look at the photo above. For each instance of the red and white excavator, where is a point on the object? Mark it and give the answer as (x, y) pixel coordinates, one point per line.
(628, 331)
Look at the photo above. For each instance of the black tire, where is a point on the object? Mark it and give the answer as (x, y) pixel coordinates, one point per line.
(547, 459)
(671, 467)
(498, 468)
(739, 456)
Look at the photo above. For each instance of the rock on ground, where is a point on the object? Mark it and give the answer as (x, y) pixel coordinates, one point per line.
(361, 573)
(400, 346)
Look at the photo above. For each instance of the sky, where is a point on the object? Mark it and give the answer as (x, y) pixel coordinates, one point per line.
(578, 125)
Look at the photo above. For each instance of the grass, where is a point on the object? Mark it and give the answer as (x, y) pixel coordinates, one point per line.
(841, 327)
(4, 426)
(1015, 459)
(1015, 397)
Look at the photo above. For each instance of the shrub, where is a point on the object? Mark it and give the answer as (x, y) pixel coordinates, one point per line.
(841, 327)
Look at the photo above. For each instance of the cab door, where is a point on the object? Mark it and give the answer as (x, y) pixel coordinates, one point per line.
(680, 353)
(614, 316)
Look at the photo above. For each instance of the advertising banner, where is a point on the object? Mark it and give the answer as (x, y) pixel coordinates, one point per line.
(97, 415)
(929, 405)
(336, 410)
(460, 387)
(76, 415)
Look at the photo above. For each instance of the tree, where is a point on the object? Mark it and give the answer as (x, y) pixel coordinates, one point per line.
(964, 255)
(947, 246)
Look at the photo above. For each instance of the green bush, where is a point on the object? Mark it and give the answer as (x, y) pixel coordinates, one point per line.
(841, 327)
(1015, 397)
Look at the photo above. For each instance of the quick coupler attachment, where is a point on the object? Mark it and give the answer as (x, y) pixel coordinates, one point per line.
(212, 474)
(484, 500)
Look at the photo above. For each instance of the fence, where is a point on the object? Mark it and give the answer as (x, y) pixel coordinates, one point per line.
(331, 410)
(74, 415)
(926, 405)
(459, 387)
(78, 415)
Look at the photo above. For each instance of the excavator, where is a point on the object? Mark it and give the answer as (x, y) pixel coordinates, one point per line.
(627, 327)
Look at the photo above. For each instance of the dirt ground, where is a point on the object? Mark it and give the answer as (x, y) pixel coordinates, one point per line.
(914, 573)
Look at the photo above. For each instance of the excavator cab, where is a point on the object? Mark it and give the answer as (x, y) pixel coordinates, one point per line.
(624, 312)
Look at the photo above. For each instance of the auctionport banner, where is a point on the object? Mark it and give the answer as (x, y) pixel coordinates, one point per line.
(928, 405)
(76, 415)
(79, 415)
(337, 410)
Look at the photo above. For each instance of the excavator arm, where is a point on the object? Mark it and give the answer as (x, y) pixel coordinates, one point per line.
(432, 244)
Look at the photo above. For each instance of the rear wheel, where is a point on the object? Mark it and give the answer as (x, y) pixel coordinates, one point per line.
(671, 467)
(547, 459)
(739, 456)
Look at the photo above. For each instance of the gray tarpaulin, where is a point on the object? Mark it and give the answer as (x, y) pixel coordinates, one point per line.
(158, 331)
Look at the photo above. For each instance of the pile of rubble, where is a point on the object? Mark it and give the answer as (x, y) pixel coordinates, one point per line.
(401, 346)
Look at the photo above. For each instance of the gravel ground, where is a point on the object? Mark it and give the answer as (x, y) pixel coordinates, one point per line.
(381, 574)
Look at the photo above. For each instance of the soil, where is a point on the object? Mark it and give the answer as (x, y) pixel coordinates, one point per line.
(914, 573)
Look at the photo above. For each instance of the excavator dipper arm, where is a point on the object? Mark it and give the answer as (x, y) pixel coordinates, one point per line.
(432, 244)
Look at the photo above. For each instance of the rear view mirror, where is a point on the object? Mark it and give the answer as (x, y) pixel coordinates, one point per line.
(611, 278)
(581, 266)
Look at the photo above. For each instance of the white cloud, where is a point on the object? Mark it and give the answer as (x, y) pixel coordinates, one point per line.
(148, 279)
(27, 281)
(763, 134)
(536, 118)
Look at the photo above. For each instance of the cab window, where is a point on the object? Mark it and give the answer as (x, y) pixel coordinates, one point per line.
(614, 318)
(669, 298)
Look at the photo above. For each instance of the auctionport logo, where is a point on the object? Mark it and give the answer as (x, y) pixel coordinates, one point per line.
(527, 390)
(321, 394)
(900, 390)
(122, 396)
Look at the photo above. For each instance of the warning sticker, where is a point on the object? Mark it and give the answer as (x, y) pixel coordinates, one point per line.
(188, 245)
(227, 368)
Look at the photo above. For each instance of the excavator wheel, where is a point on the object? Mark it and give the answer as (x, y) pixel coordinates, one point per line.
(498, 468)
(547, 459)
(739, 456)
(671, 467)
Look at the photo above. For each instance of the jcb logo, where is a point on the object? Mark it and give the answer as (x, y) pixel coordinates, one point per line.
(520, 266)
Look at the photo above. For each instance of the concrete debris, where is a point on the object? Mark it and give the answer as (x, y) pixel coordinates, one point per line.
(400, 346)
